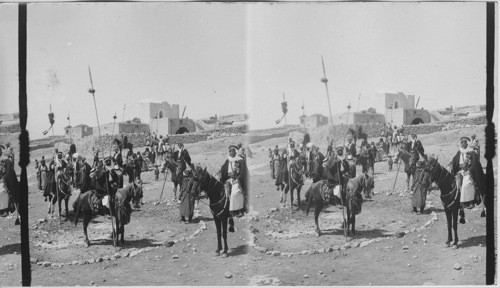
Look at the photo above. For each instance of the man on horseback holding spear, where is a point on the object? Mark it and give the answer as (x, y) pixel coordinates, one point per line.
(337, 174)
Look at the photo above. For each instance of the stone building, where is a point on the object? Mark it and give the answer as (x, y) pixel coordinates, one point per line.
(120, 128)
(363, 117)
(313, 121)
(400, 110)
(78, 131)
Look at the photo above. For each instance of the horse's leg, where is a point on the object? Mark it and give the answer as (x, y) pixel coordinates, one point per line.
(483, 213)
(286, 192)
(455, 224)
(224, 236)
(50, 204)
(462, 215)
(448, 221)
(292, 187)
(66, 200)
(353, 223)
(87, 216)
(319, 206)
(298, 197)
(218, 225)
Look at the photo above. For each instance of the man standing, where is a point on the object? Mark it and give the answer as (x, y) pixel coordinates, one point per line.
(474, 144)
(9, 151)
(118, 158)
(351, 147)
(181, 156)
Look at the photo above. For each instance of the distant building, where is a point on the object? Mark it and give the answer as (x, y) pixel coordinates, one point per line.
(470, 109)
(313, 121)
(120, 128)
(362, 117)
(78, 132)
(400, 110)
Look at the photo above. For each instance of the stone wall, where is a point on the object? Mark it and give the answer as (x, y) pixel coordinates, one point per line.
(105, 143)
(12, 128)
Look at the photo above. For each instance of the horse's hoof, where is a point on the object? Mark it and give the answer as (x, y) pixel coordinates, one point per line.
(224, 255)
(447, 244)
(462, 221)
(217, 253)
(231, 229)
(18, 222)
(483, 214)
(454, 247)
(319, 233)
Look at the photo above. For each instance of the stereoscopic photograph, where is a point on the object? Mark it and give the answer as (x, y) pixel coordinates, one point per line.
(247, 144)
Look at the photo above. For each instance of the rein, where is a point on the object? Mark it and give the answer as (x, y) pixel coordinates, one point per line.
(439, 181)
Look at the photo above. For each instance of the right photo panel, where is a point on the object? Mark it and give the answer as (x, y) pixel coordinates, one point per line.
(367, 132)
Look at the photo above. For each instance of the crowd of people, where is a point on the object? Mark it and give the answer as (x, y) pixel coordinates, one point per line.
(157, 153)
(339, 164)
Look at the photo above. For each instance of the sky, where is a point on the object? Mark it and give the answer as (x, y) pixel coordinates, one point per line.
(435, 51)
(240, 58)
(191, 55)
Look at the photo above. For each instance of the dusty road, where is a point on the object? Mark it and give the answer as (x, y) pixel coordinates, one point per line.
(271, 245)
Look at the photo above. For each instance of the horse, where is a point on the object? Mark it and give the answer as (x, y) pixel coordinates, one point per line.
(295, 182)
(63, 192)
(88, 205)
(176, 176)
(351, 198)
(219, 205)
(122, 146)
(409, 169)
(450, 196)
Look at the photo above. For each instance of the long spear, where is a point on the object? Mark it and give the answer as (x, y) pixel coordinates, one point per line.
(92, 91)
(325, 80)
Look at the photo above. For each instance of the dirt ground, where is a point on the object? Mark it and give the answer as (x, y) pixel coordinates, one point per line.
(271, 245)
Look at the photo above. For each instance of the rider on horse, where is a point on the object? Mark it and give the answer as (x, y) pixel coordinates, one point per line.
(337, 174)
(469, 174)
(182, 158)
(416, 149)
(317, 164)
(234, 177)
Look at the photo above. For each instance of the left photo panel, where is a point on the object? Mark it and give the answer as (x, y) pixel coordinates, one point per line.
(137, 116)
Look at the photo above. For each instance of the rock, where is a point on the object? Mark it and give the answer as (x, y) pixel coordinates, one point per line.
(276, 253)
(75, 262)
(117, 255)
(321, 250)
(306, 276)
(260, 249)
(33, 260)
(274, 209)
(228, 275)
(46, 264)
(169, 243)
(364, 244)
(100, 259)
(457, 266)
(175, 257)
(134, 253)
(405, 247)
(42, 221)
(409, 265)
(399, 234)
(91, 260)
(345, 246)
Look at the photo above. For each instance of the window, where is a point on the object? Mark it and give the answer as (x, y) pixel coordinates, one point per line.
(160, 114)
(396, 105)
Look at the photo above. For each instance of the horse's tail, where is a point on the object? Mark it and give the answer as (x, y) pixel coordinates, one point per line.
(77, 207)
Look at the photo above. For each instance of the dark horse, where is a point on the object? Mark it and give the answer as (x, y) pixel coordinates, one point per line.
(174, 171)
(291, 179)
(450, 196)
(124, 145)
(367, 161)
(219, 204)
(88, 205)
(352, 198)
(63, 192)
(8, 175)
(409, 169)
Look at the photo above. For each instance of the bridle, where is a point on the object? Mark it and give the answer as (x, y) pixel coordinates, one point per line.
(209, 187)
(439, 180)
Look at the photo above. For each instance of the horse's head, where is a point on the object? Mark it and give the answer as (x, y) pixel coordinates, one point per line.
(369, 182)
(432, 165)
(137, 193)
(201, 176)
